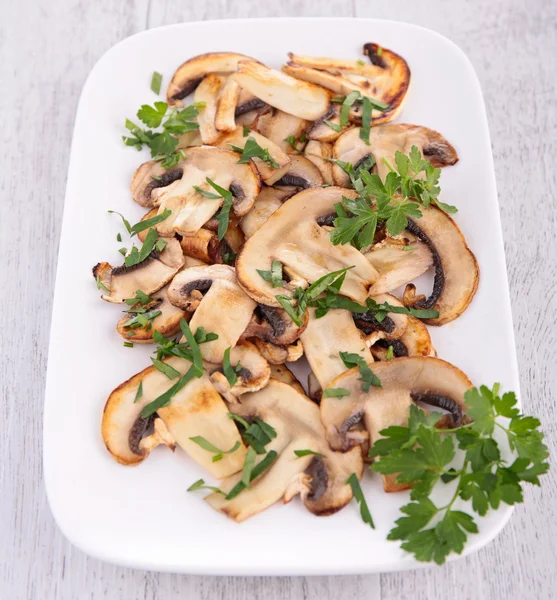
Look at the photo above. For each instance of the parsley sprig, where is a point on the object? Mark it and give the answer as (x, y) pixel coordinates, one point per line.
(421, 454)
(393, 201)
(368, 105)
(163, 126)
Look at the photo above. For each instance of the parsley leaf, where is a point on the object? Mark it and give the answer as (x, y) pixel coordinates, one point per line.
(353, 482)
(335, 393)
(274, 276)
(228, 370)
(257, 470)
(152, 115)
(367, 376)
(139, 393)
(156, 81)
(147, 223)
(197, 360)
(224, 213)
(200, 485)
(206, 445)
(168, 370)
(305, 452)
(420, 454)
(253, 150)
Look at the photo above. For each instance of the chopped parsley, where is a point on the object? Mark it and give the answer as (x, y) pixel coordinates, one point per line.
(253, 150)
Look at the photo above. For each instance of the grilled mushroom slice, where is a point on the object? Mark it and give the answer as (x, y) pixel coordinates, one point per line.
(384, 141)
(204, 245)
(321, 131)
(276, 354)
(456, 269)
(284, 374)
(269, 200)
(403, 381)
(167, 322)
(315, 391)
(326, 337)
(225, 118)
(277, 126)
(148, 276)
(320, 153)
(398, 262)
(301, 174)
(190, 74)
(268, 173)
(320, 480)
(206, 94)
(295, 97)
(148, 177)
(190, 210)
(293, 237)
(220, 306)
(252, 372)
(386, 79)
(390, 328)
(415, 341)
(249, 107)
(195, 410)
(273, 325)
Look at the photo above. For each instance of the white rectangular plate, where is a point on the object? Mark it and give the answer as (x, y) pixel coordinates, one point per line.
(142, 516)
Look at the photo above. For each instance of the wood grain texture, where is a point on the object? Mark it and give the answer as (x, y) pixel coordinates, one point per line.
(47, 50)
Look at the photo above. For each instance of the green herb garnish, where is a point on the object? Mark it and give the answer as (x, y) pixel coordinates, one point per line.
(165, 368)
(335, 393)
(353, 482)
(274, 276)
(206, 445)
(420, 454)
(253, 150)
(139, 393)
(156, 81)
(367, 376)
(100, 285)
(257, 470)
(224, 213)
(305, 452)
(200, 485)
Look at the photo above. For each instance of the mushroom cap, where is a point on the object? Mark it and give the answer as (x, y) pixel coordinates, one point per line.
(175, 186)
(148, 276)
(253, 375)
(190, 74)
(301, 173)
(320, 153)
(196, 409)
(324, 338)
(391, 328)
(415, 341)
(268, 174)
(384, 141)
(403, 381)
(295, 97)
(396, 265)
(457, 273)
(277, 126)
(190, 210)
(167, 323)
(269, 200)
(220, 305)
(273, 325)
(292, 236)
(386, 79)
(296, 421)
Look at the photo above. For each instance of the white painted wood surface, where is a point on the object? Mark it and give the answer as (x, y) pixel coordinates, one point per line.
(47, 48)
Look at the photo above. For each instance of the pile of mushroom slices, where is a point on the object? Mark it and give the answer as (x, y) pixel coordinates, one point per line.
(283, 210)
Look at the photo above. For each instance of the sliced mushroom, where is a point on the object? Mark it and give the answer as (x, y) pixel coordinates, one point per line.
(268, 173)
(301, 174)
(277, 126)
(390, 328)
(295, 97)
(148, 215)
(206, 94)
(324, 130)
(279, 354)
(284, 374)
(398, 262)
(190, 74)
(269, 200)
(403, 381)
(273, 325)
(190, 210)
(148, 177)
(195, 410)
(204, 245)
(253, 373)
(167, 323)
(148, 276)
(325, 338)
(415, 341)
(384, 141)
(456, 269)
(293, 237)
(248, 104)
(320, 153)
(220, 305)
(386, 79)
(227, 101)
(321, 480)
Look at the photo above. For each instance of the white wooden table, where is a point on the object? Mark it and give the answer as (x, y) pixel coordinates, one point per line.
(47, 48)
